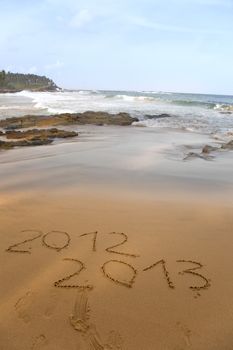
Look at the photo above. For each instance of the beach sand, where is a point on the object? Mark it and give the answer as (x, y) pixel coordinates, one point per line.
(150, 255)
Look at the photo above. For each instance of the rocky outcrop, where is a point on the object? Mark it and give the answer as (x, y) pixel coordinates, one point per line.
(228, 145)
(208, 149)
(34, 137)
(40, 134)
(194, 155)
(89, 117)
(4, 145)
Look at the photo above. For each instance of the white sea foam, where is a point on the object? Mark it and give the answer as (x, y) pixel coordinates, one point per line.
(84, 92)
(135, 98)
(188, 112)
(157, 92)
(223, 107)
(12, 107)
(53, 102)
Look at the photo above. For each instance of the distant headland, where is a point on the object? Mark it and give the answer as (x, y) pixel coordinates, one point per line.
(15, 82)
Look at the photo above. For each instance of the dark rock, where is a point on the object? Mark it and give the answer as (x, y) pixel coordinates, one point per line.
(207, 149)
(89, 117)
(38, 142)
(5, 145)
(34, 137)
(193, 155)
(157, 116)
(103, 118)
(40, 134)
(228, 145)
(226, 112)
(8, 91)
(13, 127)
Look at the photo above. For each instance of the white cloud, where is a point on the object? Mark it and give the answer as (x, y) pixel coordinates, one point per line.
(81, 18)
(58, 64)
(144, 22)
(225, 3)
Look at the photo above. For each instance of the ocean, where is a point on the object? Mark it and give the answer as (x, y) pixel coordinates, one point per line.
(192, 112)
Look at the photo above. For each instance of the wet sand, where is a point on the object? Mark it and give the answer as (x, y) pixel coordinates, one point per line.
(126, 291)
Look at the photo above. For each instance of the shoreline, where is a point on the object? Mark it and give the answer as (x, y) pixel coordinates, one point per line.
(12, 91)
(123, 156)
(13, 128)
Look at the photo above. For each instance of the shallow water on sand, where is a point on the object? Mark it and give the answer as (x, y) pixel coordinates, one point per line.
(143, 159)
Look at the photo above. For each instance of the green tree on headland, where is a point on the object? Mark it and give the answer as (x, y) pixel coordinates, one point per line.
(2, 77)
(16, 82)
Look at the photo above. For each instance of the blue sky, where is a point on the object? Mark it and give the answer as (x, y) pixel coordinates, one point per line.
(173, 45)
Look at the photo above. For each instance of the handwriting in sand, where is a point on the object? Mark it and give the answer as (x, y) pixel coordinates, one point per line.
(106, 267)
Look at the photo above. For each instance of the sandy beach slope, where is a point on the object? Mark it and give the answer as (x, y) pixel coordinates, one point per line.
(94, 265)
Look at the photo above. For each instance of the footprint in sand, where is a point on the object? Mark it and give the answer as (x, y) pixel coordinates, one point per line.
(186, 332)
(94, 341)
(80, 317)
(115, 340)
(51, 305)
(39, 342)
(22, 306)
(80, 322)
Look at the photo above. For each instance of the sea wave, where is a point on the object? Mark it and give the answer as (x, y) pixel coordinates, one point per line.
(83, 92)
(46, 95)
(157, 92)
(25, 93)
(166, 100)
(50, 110)
(130, 98)
(208, 113)
(11, 107)
(223, 107)
(209, 105)
(52, 102)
